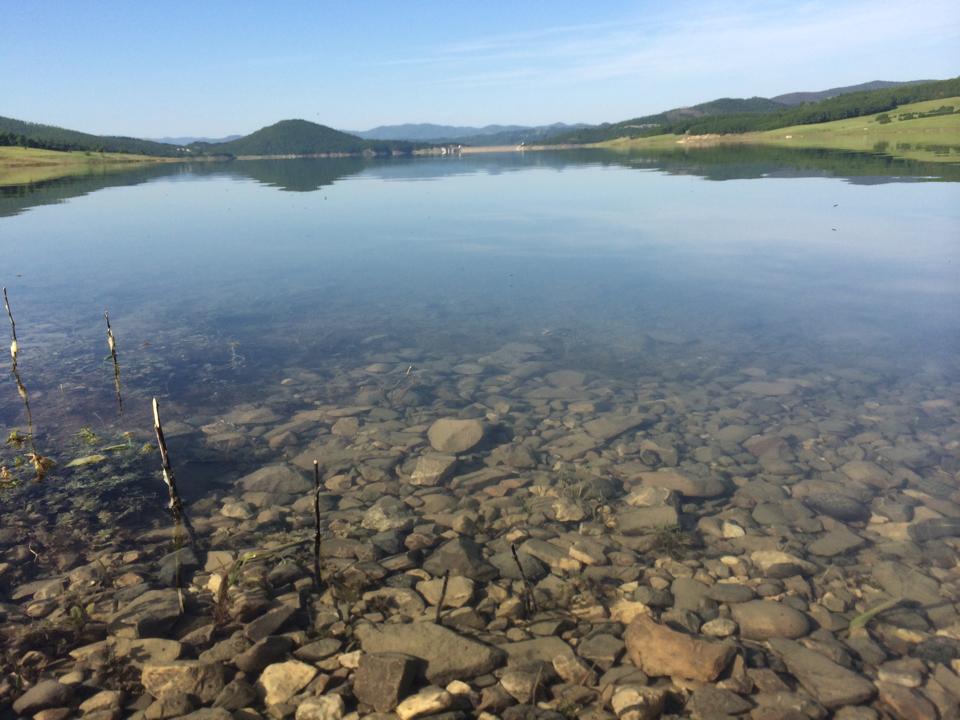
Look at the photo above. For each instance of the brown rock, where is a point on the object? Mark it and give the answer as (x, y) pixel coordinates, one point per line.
(448, 655)
(904, 703)
(683, 484)
(190, 677)
(831, 684)
(383, 679)
(659, 651)
(449, 435)
(765, 619)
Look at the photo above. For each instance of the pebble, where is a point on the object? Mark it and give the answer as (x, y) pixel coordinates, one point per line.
(679, 544)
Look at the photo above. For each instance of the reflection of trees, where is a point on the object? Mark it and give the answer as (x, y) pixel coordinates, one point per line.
(731, 162)
(743, 162)
(17, 198)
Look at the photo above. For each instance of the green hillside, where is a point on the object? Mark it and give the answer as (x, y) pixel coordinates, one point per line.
(730, 116)
(301, 137)
(660, 122)
(927, 131)
(48, 137)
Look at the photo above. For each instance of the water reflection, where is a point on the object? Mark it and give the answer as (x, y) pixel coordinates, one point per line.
(307, 175)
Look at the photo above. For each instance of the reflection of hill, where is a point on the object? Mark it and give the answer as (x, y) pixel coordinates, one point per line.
(744, 162)
(299, 174)
(15, 199)
(739, 162)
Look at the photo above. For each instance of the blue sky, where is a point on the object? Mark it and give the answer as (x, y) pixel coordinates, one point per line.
(214, 68)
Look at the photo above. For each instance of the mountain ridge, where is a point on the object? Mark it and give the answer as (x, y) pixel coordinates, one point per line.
(302, 137)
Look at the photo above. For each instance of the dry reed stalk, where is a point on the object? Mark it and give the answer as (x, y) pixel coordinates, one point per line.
(112, 344)
(180, 518)
(529, 601)
(41, 465)
(316, 514)
(443, 596)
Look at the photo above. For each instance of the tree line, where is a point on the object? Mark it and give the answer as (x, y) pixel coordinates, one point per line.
(836, 108)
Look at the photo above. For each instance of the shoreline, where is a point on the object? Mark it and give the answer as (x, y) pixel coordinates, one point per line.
(41, 165)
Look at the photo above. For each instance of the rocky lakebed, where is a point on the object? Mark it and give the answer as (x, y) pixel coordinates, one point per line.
(504, 535)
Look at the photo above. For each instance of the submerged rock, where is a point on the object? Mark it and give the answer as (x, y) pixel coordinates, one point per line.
(831, 684)
(448, 656)
(383, 679)
(45, 694)
(765, 619)
(660, 651)
(449, 435)
(149, 615)
(281, 479)
(188, 677)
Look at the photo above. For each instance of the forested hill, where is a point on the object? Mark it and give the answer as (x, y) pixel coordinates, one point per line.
(287, 137)
(301, 137)
(654, 124)
(48, 137)
(725, 118)
(798, 98)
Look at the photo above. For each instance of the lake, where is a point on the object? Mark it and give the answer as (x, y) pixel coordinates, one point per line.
(758, 348)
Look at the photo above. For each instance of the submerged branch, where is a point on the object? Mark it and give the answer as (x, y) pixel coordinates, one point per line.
(176, 506)
(112, 344)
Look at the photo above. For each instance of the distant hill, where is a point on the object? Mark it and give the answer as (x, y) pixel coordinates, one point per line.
(798, 98)
(425, 132)
(190, 140)
(730, 115)
(287, 137)
(49, 137)
(466, 135)
(301, 137)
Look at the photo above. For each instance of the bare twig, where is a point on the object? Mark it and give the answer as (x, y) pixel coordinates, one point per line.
(112, 343)
(14, 348)
(316, 514)
(443, 596)
(41, 464)
(176, 506)
(529, 601)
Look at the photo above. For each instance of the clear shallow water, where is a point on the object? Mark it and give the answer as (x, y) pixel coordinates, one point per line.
(223, 279)
(773, 337)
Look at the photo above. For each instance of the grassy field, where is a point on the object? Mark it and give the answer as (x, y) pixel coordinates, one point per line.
(930, 139)
(25, 165)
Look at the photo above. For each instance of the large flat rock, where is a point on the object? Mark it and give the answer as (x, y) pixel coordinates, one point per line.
(831, 684)
(448, 656)
(281, 478)
(151, 614)
(660, 651)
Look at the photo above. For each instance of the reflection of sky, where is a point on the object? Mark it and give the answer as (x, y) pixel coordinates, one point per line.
(586, 243)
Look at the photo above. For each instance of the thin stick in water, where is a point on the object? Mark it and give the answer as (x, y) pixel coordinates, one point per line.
(41, 464)
(443, 596)
(14, 354)
(316, 514)
(529, 601)
(176, 506)
(112, 343)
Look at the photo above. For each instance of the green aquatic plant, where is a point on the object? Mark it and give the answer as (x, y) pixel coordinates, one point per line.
(671, 540)
(16, 439)
(41, 465)
(864, 618)
(7, 479)
(88, 436)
